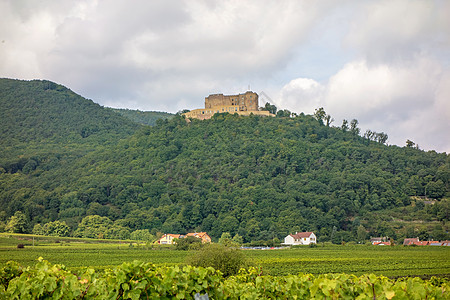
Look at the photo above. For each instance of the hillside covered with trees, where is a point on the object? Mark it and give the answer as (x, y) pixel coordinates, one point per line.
(258, 177)
(143, 117)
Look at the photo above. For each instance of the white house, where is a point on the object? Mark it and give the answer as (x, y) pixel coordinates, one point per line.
(300, 238)
(168, 238)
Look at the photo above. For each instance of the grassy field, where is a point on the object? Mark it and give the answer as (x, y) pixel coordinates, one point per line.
(395, 261)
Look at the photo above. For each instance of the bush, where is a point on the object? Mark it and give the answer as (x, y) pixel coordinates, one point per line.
(228, 260)
(188, 243)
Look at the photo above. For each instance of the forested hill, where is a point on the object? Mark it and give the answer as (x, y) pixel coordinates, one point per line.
(143, 117)
(42, 110)
(258, 177)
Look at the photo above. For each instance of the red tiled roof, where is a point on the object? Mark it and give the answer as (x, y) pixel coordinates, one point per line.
(410, 241)
(300, 235)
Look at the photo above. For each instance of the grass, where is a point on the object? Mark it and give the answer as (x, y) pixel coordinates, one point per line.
(389, 261)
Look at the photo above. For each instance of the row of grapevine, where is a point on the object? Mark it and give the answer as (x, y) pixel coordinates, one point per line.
(138, 280)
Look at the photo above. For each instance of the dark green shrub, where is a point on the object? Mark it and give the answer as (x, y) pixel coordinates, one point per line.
(188, 243)
(228, 260)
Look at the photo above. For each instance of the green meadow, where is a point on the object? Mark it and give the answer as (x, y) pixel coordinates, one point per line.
(390, 261)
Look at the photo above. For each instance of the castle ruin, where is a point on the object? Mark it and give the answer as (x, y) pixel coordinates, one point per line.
(242, 104)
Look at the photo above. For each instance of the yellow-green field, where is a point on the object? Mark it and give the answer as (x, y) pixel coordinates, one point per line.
(389, 261)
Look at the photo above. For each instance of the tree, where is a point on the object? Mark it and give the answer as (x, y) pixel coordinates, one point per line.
(320, 114)
(56, 228)
(410, 144)
(284, 113)
(435, 189)
(93, 227)
(369, 134)
(38, 229)
(228, 260)
(328, 120)
(344, 125)
(238, 240)
(17, 223)
(189, 242)
(270, 108)
(226, 240)
(142, 235)
(381, 137)
(361, 233)
(354, 127)
(117, 232)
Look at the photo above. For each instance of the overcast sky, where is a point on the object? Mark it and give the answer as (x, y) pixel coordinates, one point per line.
(384, 63)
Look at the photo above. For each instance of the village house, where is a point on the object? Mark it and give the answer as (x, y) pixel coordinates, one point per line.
(415, 241)
(168, 239)
(201, 235)
(300, 238)
(380, 241)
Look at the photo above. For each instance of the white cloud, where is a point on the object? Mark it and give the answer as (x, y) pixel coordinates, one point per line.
(405, 101)
(385, 63)
(397, 30)
(301, 94)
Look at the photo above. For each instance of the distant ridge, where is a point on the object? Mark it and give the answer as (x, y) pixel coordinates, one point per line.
(143, 117)
(40, 109)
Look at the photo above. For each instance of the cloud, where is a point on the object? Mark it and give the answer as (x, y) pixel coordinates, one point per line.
(140, 53)
(385, 62)
(386, 30)
(406, 101)
(301, 94)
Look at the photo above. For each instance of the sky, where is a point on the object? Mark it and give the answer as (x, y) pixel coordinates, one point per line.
(385, 63)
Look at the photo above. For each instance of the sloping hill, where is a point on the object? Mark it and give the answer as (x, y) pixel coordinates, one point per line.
(42, 110)
(143, 117)
(257, 177)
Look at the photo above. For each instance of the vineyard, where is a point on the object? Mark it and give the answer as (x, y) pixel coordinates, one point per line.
(138, 280)
(393, 261)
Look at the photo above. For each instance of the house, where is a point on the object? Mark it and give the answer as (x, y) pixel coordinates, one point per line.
(414, 241)
(382, 243)
(434, 243)
(445, 243)
(167, 239)
(201, 235)
(378, 240)
(410, 241)
(300, 238)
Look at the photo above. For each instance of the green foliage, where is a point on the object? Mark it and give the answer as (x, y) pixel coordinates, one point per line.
(259, 178)
(33, 112)
(396, 261)
(55, 228)
(188, 243)
(270, 108)
(17, 223)
(137, 280)
(93, 227)
(142, 235)
(228, 260)
(320, 114)
(143, 117)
